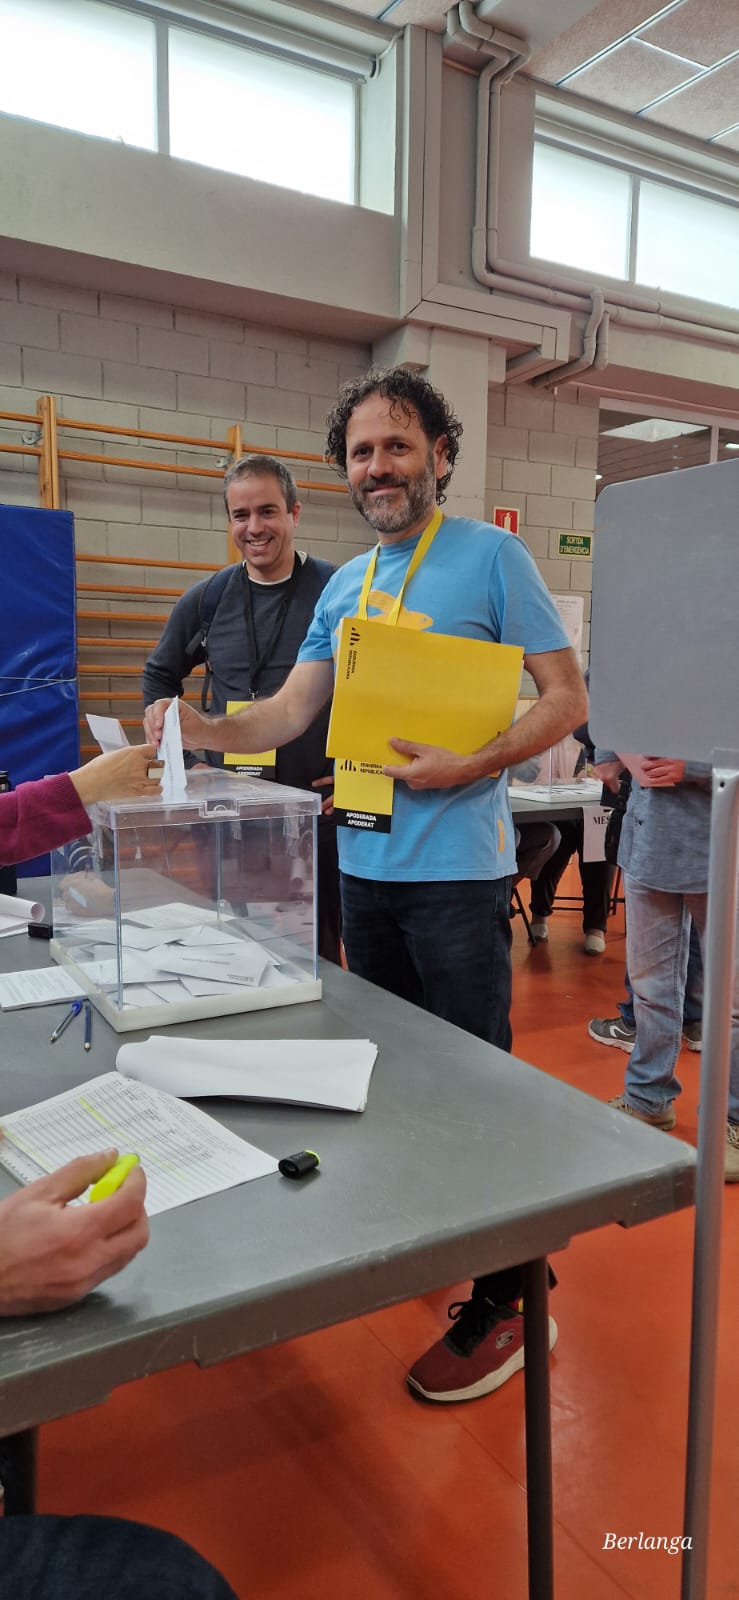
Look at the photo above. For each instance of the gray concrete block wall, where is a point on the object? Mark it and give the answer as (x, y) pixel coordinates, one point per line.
(129, 362)
(542, 453)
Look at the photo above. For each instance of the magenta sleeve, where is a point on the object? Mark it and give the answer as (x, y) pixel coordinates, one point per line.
(37, 817)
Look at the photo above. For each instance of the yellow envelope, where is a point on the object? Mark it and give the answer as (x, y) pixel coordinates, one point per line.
(431, 688)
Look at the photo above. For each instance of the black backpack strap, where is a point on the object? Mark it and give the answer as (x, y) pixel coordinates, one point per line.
(210, 600)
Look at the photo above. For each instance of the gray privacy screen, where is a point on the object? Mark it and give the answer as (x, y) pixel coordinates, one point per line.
(664, 662)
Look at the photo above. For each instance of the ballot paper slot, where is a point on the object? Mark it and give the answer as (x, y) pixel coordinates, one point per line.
(163, 922)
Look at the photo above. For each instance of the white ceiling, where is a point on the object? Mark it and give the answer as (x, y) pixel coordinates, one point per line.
(670, 62)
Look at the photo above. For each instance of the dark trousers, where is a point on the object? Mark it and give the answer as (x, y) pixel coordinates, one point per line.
(443, 946)
(596, 878)
(328, 909)
(447, 948)
(101, 1558)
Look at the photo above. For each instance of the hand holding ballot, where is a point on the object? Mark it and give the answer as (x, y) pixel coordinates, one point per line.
(53, 1254)
(39, 816)
(120, 775)
(194, 727)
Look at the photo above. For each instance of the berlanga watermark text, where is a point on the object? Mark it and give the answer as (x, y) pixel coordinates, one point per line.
(673, 1543)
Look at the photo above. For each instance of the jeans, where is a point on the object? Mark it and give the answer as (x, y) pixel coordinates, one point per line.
(596, 878)
(693, 1001)
(447, 948)
(101, 1558)
(657, 951)
(444, 946)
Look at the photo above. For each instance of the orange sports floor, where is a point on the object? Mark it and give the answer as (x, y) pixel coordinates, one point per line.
(308, 1470)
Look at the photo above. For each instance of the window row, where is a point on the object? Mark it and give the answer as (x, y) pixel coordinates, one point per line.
(610, 221)
(103, 70)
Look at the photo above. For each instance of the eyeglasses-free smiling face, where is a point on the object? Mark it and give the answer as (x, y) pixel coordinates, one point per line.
(262, 528)
(392, 467)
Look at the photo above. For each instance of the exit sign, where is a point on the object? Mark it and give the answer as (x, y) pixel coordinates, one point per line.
(575, 544)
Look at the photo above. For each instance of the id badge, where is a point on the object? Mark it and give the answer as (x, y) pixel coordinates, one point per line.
(259, 764)
(363, 796)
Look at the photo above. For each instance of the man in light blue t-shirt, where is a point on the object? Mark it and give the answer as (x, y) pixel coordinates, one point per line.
(426, 906)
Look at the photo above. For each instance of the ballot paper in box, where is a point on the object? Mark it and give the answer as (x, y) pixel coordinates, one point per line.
(194, 906)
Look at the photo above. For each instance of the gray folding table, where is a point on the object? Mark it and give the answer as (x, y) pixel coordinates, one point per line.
(466, 1160)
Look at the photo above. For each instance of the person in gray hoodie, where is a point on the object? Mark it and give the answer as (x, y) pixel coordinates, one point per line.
(663, 854)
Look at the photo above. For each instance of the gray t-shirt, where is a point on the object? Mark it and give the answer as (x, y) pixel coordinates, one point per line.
(302, 760)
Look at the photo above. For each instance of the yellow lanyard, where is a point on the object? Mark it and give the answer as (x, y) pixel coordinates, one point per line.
(421, 550)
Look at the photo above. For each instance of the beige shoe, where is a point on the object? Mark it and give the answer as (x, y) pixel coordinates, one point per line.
(539, 931)
(731, 1156)
(658, 1119)
(595, 942)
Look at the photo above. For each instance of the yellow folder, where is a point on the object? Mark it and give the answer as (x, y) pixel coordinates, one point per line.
(431, 688)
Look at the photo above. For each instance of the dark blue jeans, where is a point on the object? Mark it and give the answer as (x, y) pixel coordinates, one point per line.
(447, 948)
(101, 1558)
(444, 946)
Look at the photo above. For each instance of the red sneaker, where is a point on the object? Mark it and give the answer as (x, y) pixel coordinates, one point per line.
(479, 1353)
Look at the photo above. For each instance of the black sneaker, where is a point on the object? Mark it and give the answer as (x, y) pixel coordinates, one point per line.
(693, 1035)
(613, 1030)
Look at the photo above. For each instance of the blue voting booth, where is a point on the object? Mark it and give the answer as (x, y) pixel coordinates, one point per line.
(39, 707)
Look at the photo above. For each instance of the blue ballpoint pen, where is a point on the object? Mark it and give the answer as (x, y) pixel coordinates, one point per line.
(73, 1012)
(88, 1025)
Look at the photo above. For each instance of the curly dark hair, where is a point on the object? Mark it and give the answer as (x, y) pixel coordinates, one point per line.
(408, 393)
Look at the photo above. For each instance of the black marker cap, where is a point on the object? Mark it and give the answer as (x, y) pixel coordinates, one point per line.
(296, 1166)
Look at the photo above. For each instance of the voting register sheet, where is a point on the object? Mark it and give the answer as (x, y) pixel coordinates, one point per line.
(184, 1153)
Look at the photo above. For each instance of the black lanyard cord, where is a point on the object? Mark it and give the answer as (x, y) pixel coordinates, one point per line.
(258, 660)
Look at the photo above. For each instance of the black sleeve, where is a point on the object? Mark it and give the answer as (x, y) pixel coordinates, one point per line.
(582, 734)
(169, 663)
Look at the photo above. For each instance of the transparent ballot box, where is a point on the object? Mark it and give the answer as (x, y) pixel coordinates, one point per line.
(194, 907)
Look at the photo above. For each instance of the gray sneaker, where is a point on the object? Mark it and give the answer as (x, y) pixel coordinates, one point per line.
(731, 1158)
(665, 1119)
(613, 1030)
(693, 1035)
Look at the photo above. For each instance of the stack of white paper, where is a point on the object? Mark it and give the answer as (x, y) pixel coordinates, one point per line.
(586, 793)
(324, 1072)
(43, 986)
(185, 1153)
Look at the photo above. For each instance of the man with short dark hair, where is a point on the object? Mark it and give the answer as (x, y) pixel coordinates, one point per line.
(260, 610)
(426, 907)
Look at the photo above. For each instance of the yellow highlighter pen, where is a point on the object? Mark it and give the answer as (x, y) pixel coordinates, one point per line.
(113, 1178)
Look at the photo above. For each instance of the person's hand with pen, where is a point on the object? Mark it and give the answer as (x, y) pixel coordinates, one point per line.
(53, 1254)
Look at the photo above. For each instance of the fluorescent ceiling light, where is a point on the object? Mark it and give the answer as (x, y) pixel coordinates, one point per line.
(653, 429)
(730, 444)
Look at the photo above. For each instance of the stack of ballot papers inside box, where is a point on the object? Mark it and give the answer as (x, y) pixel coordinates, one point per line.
(175, 951)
